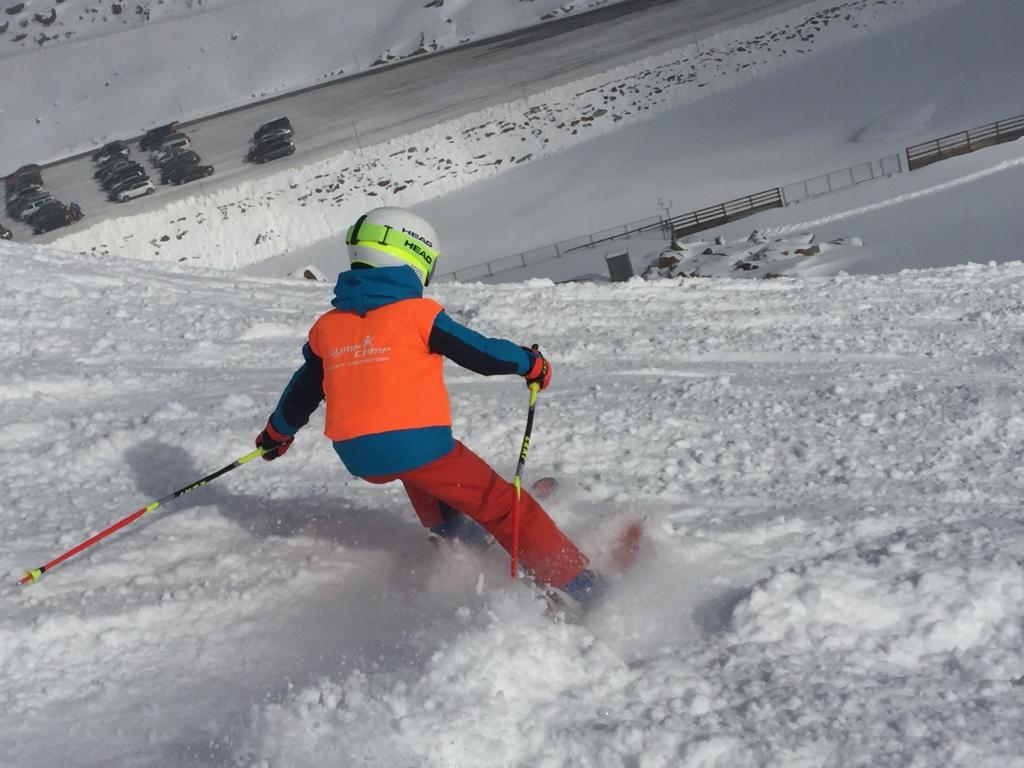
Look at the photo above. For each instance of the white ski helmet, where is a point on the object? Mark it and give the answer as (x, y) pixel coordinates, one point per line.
(393, 237)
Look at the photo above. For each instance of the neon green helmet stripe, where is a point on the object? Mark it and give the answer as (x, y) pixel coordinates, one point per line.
(411, 250)
(399, 253)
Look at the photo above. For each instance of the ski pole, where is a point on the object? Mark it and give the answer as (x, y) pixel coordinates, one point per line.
(518, 481)
(33, 575)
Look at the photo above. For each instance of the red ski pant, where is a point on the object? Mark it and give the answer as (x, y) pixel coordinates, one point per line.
(465, 482)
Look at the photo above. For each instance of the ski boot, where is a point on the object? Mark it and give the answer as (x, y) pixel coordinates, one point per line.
(461, 528)
(578, 597)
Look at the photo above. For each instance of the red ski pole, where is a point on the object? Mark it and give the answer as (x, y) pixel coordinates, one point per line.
(518, 481)
(33, 575)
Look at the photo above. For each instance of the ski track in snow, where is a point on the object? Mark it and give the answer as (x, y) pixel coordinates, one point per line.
(898, 200)
(828, 469)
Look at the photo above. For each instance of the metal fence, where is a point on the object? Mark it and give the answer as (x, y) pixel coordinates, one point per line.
(554, 251)
(723, 213)
(688, 223)
(928, 152)
(695, 221)
(844, 178)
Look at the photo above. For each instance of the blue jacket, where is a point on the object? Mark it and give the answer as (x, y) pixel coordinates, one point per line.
(361, 291)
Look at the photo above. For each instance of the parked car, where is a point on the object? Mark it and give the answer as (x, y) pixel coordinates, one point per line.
(125, 174)
(27, 208)
(5, 233)
(173, 170)
(43, 211)
(17, 193)
(126, 182)
(270, 150)
(50, 218)
(131, 190)
(169, 145)
(171, 175)
(182, 157)
(71, 213)
(50, 222)
(27, 173)
(56, 216)
(193, 173)
(26, 195)
(113, 166)
(26, 180)
(155, 136)
(275, 129)
(109, 150)
(179, 158)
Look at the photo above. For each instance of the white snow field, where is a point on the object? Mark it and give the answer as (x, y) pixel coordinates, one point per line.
(827, 463)
(828, 469)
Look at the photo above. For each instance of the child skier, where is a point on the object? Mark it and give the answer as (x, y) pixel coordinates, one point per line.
(376, 359)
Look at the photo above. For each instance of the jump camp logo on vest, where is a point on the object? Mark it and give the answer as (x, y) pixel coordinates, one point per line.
(358, 354)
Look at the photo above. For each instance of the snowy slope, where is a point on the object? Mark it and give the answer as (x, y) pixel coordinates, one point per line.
(959, 211)
(950, 70)
(236, 225)
(828, 468)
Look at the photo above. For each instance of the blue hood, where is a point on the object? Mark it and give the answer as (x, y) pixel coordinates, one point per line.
(361, 290)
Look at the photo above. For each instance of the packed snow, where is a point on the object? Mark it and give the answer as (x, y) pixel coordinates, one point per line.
(827, 469)
(757, 256)
(826, 463)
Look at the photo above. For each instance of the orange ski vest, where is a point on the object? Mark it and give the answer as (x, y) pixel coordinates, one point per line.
(379, 372)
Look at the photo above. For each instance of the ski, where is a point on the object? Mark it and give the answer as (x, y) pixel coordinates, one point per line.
(616, 558)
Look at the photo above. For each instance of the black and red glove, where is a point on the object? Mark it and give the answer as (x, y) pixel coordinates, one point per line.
(273, 442)
(540, 369)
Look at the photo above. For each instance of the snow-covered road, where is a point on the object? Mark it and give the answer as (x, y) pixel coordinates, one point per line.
(829, 470)
(345, 115)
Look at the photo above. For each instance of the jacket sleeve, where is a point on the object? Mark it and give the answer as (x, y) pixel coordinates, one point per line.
(475, 351)
(302, 396)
